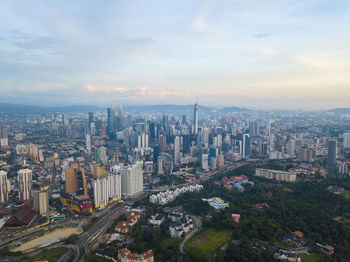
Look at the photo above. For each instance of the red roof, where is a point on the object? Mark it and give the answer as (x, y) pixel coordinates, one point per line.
(24, 216)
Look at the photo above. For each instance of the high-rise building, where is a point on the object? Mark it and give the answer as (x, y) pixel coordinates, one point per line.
(24, 184)
(246, 146)
(160, 165)
(76, 180)
(290, 148)
(346, 140)
(195, 118)
(205, 164)
(40, 198)
(101, 188)
(132, 179)
(3, 132)
(88, 143)
(111, 121)
(332, 153)
(177, 156)
(162, 143)
(3, 188)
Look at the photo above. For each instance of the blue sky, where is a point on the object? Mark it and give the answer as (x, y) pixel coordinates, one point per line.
(251, 53)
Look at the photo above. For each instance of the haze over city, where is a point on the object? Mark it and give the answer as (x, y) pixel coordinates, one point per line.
(254, 54)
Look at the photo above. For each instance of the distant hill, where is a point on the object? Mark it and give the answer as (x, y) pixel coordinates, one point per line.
(233, 109)
(23, 109)
(20, 109)
(340, 110)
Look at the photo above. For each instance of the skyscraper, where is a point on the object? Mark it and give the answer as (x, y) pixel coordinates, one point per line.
(195, 118)
(111, 121)
(3, 188)
(24, 184)
(246, 146)
(332, 153)
(177, 150)
(88, 143)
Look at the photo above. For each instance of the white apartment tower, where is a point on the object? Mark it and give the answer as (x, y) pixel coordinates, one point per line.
(132, 179)
(24, 184)
(3, 188)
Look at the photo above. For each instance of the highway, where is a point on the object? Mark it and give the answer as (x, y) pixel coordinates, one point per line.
(99, 227)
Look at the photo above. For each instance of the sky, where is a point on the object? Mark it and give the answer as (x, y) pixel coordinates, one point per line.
(256, 54)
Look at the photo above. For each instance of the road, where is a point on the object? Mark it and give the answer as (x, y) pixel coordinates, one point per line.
(99, 227)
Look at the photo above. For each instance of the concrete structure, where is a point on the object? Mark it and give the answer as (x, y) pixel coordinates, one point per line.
(107, 189)
(195, 118)
(177, 150)
(98, 171)
(40, 199)
(346, 140)
(205, 164)
(76, 180)
(3, 188)
(165, 197)
(125, 255)
(24, 184)
(276, 174)
(332, 153)
(132, 179)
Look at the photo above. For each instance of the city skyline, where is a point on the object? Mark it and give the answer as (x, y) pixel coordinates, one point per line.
(279, 54)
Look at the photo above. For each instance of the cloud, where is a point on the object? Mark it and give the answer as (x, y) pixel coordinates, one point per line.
(321, 60)
(262, 35)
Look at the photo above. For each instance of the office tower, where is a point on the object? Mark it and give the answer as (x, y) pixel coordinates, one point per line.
(40, 198)
(346, 140)
(162, 143)
(212, 163)
(153, 131)
(246, 146)
(165, 122)
(3, 188)
(205, 159)
(111, 121)
(177, 159)
(24, 184)
(290, 148)
(91, 117)
(195, 118)
(220, 160)
(205, 136)
(155, 152)
(132, 179)
(254, 127)
(98, 171)
(88, 143)
(160, 165)
(332, 153)
(76, 180)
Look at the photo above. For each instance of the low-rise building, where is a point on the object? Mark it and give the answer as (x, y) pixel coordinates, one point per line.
(287, 256)
(125, 255)
(156, 220)
(276, 174)
(184, 225)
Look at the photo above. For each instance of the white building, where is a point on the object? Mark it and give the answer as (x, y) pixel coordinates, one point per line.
(346, 140)
(21, 149)
(3, 188)
(132, 179)
(205, 164)
(163, 198)
(24, 184)
(276, 174)
(107, 189)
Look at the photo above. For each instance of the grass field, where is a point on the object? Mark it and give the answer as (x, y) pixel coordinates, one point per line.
(208, 240)
(309, 258)
(346, 195)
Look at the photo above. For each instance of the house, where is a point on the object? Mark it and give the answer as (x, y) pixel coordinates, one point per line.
(174, 217)
(288, 256)
(236, 217)
(156, 220)
(328, 250)
(122, 227)
(132, 218)
(182, 227)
